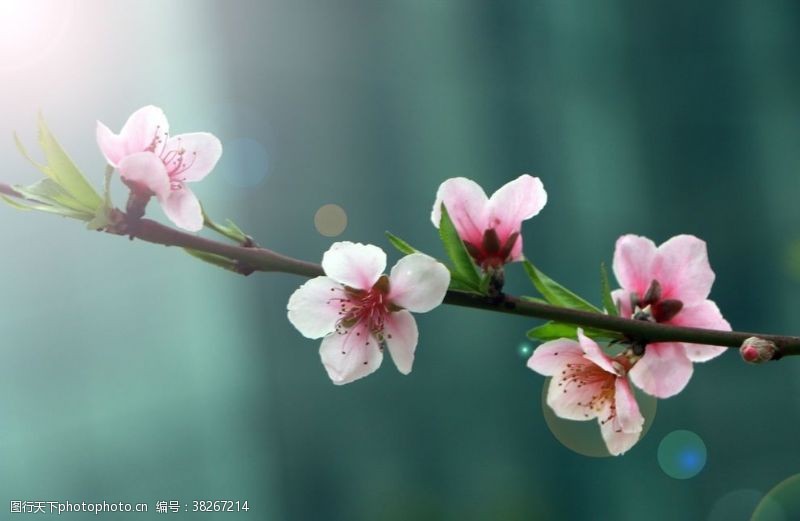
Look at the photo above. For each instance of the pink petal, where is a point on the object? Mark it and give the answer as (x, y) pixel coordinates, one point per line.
(401, 335)
(593, 353)
(354, 264)
(350, 356)
(629, 417)
(514, 202)
(681, 266)
(418, 283)
(551, 357)
(707, 315)
(516, 251)
(622, 298)
(183, 208)
(314, 309)
(112, 146)
(137, 135)
(633, 257)
(202, 151)
(663, 371)
(145, 169)
(571, 401)
(617, 440)
(466, 204)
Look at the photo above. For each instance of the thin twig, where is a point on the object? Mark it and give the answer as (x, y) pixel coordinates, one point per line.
(265, 260)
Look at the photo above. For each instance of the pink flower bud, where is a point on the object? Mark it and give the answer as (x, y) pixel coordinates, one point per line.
(756, 350)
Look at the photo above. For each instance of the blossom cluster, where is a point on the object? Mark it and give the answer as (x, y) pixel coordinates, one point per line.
(359, 311)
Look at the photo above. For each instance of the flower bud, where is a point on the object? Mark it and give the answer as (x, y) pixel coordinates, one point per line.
(756, 350)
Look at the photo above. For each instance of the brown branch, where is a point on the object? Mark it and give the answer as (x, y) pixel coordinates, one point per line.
(262, 259)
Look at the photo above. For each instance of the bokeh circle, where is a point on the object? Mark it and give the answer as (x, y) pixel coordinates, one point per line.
(782, 503)
(682, 454)
(736, 505)
(330, 220)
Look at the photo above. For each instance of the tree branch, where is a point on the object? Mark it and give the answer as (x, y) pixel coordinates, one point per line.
(262, 259)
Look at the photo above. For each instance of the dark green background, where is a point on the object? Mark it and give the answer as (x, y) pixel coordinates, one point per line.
(133, 373)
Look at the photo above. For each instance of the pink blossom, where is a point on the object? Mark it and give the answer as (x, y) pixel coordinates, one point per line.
(587, 384)
(490, 227)
(151, 161)
(667, 284)
(358, 311)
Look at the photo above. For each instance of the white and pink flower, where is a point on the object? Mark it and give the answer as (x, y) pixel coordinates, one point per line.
(358, 311)
(490, 226)
(669, 284)
(151, 161)
(586, 384)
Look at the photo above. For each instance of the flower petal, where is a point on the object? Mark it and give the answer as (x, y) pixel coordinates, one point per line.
(354, 264)
(401, 336)
(201, 153)
(142, 130)
(681, 267)
(629, 417)
(663, 371)
(551, 357)
(622, 298)
(145, 170)
(633, 257)
(418, 283)
(593, 353)
(351, 355)
(707, 315)
(111, 145)
(314, 309)
(466, 205)
(515, 202)
(617, 440)
(183, 208)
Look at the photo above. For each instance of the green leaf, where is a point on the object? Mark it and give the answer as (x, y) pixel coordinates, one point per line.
(103, 215)
(453, 245)
(61, 169)
(608, 301)
(534, 299)
(555, 330)
(216, 260)
(27, 156)
(42, 207)
(50, 192)
(229, 230)
(556, 294)
(401, 245)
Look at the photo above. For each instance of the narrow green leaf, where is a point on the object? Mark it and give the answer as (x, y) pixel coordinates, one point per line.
(216, 260)
(534, 299)
(27, 156)
(50, 192)
(42, 207)
(608, 301)
(229, 230)
(555, 330)
(458, 285)
(401, 245)
(555, 293)
(486, 281)
(458, 254)
(63, 171)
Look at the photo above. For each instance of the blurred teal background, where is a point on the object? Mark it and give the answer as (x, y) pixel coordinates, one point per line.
(134, 373)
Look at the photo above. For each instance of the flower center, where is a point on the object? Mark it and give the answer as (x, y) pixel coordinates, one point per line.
(176, 160)
(652, 308)
(367, 308)
(579, 375)
(491, 252)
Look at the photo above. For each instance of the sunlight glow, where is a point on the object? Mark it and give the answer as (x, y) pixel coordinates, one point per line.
(29, 29)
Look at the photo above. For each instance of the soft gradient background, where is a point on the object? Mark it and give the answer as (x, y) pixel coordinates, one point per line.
(134, 373)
